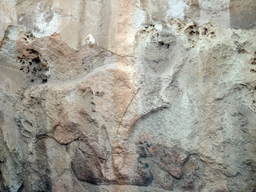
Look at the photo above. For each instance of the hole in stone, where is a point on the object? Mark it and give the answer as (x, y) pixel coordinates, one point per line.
(31, 51)
(205, 30)
(32, 80)
(44, 81)
(191, 32)
(34, 70)
(161, 43)
(36, 60)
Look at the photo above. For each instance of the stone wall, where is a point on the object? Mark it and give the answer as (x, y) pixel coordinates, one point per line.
(118, 95)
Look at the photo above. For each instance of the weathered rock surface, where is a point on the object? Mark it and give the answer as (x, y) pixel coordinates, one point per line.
(146, 95)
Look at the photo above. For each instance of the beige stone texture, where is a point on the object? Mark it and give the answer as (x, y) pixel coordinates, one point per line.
(118, 95)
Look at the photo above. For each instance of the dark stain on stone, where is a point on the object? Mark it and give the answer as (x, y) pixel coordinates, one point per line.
(21, 189)
(2, 188)
(184, 171)
(239, 47)
(1, 118)
(148, 179)
(86, 166)
(242, 14)
(44, 183)
(44, 81)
